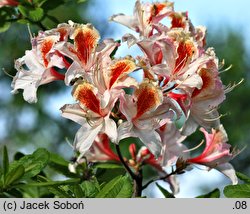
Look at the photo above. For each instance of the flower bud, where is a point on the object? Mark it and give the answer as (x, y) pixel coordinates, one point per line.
(132, 151)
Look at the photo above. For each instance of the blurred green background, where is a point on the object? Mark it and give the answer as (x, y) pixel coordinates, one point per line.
(25, 127)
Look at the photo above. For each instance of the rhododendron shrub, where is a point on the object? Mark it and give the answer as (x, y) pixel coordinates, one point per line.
(179, 94)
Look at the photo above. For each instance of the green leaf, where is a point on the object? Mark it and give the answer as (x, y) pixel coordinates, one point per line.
(34, 163)
(5, 15)
(23, 10)
(33, 14)
(4, 26)
(53, 183)
(237, 191)
(119, 187)
(50, 5)
(18, 156)
(243, 177)
(77, 190)
(165, 192)
(5, 161)
(59, 191)
(213, 194)
(14, 175)
(60, 165)
(90, 188)
(36, 15)
(106, 175)
(108, 166)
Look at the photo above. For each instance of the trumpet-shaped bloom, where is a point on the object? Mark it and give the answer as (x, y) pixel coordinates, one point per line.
(216, 153)
(92, 112)
(145, 111)
(205, 101)
(38, 66)
(172, 147)
(101, 151)
(145, 17)
(86, 53)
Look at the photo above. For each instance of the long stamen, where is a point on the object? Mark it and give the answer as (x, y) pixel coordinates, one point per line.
(194, 148)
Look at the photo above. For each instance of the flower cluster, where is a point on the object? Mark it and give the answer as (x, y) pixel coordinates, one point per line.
(180, 81)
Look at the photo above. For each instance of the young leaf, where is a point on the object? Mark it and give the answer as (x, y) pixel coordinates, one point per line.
(33, 14)
(5, 161)
(36, 14)
(4, 26)
(213, 194)
(57, 163)
(105, 175)
(119, 187)
(165, 192)
(34, 163)
(23, 10)
(108, 166)
(53, 183)
(14, 175)
(77, 190)
(90, 188)
(237, 191)
(59, 191)
(243, 177)
(50, 5)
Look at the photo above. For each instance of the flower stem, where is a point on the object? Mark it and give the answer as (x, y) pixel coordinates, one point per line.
(137, 178)
(133, 176)
(159, 178)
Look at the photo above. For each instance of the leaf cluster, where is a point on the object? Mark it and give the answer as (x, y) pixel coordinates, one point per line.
(27, 176)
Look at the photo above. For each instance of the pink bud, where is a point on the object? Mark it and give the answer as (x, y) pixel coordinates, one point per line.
(132, 151)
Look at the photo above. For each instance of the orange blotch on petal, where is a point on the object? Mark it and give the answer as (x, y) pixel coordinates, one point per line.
(149, 97)
(46, 46)
(156, 9)
(84, 93)
(119, 69)
(178, 20)
(207, 79)
(185, 50)
(85, 38)
(63, 33)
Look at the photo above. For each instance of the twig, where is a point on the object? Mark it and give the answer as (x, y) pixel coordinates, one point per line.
(161, 178)
(133, 176)
(137, 178)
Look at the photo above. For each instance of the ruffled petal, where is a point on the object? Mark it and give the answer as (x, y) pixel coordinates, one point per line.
(74, 112)
(119, 69)
(148, 97)
(85, 40)
(85, 137)
(85, 93)
(110, 129)
(228, 170)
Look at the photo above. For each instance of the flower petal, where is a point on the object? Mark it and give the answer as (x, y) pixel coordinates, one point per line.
(128, 21)
(85, 40)
(73, 112)
(125, 130)
(228, 170)
(85, 137)
(110, 129)
(186, 49)
(84, 93)
(151, 139)
(119, 69)
(149, 97)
